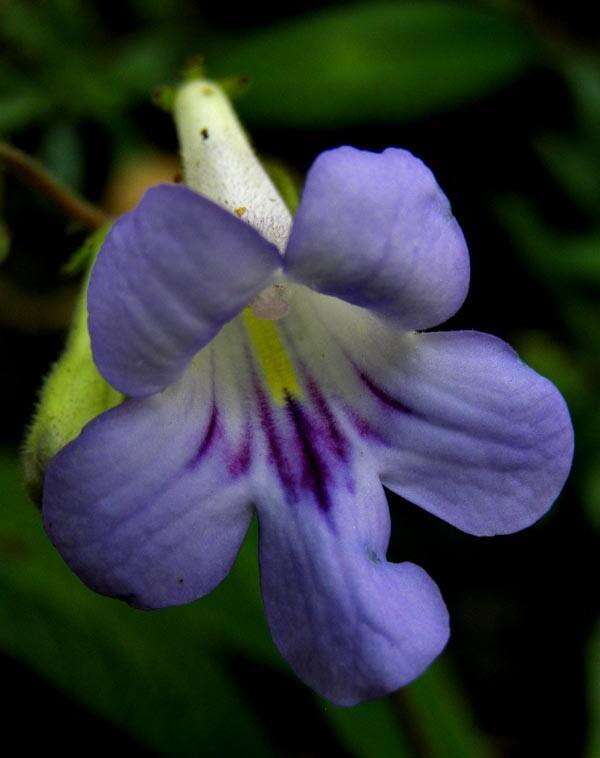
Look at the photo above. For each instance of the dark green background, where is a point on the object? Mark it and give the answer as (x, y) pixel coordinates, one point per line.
(502, 100)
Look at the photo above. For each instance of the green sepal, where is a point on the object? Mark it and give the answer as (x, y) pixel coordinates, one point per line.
(164, 97)
(286, 181)
(234, 86)
(86, 254)
(72, 395)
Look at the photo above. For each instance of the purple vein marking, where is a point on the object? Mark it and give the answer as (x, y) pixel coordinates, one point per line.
(209, 436)
(364, 428)
(337, 441)
(240, 462)
(383, 396)
(274, 442)
(315, 472)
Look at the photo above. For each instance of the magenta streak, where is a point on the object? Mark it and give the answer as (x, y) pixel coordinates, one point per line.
(364, 428)
(337, 441)
(240, 462)
(274, 443)
(315, 473)
(383, 396)
(209, 437)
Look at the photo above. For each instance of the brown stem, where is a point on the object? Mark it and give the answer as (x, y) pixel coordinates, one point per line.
(35, 175)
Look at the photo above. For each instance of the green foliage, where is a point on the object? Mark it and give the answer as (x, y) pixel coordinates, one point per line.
(443, 716)
(574, 159)
(374, 62)
(61, 153)
(59, 64)
(351, 64)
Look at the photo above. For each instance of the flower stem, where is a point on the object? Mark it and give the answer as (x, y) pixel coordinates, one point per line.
(32, 173)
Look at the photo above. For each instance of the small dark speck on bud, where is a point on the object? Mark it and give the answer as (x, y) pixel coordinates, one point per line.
(180, 580)
(204, 133)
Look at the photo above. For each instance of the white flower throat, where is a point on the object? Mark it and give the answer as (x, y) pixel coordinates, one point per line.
(219, 163)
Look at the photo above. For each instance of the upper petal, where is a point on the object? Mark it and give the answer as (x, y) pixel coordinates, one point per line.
(150, 502)
(170, 274)
(376, 230)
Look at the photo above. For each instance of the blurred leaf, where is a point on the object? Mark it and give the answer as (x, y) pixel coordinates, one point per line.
(551, 360)
(583, 75)
(373, 62)
(158, 675)
(583, 319)
(62, 154)
(21, 99)
(78, 70)
(556, 258)
(21, 108)
(574, 160)
(442, 716)
(77, 19)
(370, 729)
(575, 166)
(593, 684)
(143, 61)
(591, 501)
(156, 11)
(23, 27)
(4, 241)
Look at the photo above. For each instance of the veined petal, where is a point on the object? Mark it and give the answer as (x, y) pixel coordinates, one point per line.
(458, 424)
(478, 438)
(169, 276)
(150, 502)
(351, 625)
(376, 230)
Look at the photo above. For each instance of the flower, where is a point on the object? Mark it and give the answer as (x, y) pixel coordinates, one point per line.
(288, 376)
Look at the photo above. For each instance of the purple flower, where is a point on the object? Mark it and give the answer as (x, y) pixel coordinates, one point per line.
(293, 386)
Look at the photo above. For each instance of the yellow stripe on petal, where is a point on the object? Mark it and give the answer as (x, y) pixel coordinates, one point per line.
(269, 350)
